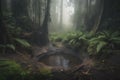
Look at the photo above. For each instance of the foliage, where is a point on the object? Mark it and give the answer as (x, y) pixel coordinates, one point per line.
(45, 71)
(23, 42)
(10, 22)
(105, 40)
(13, 34)
(76, 39)
(16, 42)
(10, 70)
(93, 43)
(57, 37)
(11, 46)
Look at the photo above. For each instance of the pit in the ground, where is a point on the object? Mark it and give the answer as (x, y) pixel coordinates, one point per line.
(65, 61)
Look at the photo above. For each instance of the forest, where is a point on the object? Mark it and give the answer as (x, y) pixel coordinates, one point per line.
(59, 39)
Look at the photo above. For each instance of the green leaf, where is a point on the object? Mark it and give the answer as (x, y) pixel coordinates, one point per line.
(8, 67)
(23, 42)
(101, 36)
(72, 42)
(115, 34)
(100, 46)
(93, 39)
(11, 46)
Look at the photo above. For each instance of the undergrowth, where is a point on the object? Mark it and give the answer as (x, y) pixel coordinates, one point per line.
(11, 70)
(94, 44)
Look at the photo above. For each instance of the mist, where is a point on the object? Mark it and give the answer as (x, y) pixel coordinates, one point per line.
(59, 39)
(71, 15)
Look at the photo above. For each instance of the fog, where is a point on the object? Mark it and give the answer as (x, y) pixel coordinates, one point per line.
(70, 15)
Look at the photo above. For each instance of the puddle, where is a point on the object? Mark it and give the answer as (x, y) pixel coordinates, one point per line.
(65, 61)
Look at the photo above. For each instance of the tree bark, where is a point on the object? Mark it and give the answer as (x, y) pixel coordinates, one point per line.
(2, 27)
(110, 19)
(61, 14)
(4, 36)
(98, 19)
(44, 35)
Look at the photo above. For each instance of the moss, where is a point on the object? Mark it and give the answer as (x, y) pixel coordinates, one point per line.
(11, 70)
(46, 72)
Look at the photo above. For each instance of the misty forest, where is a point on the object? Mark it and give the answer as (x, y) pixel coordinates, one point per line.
(59, 39)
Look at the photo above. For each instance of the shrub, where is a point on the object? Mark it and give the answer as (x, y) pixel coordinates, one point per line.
(103, 41)
(10, 70)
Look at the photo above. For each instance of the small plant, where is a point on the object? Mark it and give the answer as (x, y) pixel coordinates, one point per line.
(22, 42)
(13, 35)
(57, 37)
(9, 68)
(12, 46)
(76, 40)
(103, 41)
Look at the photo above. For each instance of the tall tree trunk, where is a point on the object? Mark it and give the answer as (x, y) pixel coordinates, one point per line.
(61, 14)
(86, 15)
(110, 18)
(98, 19)
(4, 36)
(39, 12)
(44, 35)
(3, 28)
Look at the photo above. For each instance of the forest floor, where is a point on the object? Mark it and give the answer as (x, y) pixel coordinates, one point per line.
(103, 69)
(107, 68)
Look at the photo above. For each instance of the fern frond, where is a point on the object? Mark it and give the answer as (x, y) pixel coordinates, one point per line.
(100, 46)
(11, 46)
(22, 42)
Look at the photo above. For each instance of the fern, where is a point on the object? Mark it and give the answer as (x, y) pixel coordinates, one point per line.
(102, 39)
(8, 67)
(22, 42)
(10, 46)
(116, 40)
(100, 46)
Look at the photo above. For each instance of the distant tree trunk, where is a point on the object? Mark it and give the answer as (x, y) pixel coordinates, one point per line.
(98, 17)
(77, 14)
(87, 17)
(54, 14)
(4, 36)
(61, 14)
(110, 19)
(93, 15)
(39, 12)
(3, 29)
(19, 8)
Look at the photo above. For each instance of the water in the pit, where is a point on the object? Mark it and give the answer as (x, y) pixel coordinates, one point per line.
(65, 61)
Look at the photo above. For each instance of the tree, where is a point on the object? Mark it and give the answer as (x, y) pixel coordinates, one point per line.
(3, 29)
(45, 39)
(61, 14)
(110, 18)
(93, 14)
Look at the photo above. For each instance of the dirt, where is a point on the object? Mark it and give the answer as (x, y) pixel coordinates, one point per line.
(108, 69)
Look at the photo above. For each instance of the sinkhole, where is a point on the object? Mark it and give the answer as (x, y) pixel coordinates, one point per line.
(61, 60)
